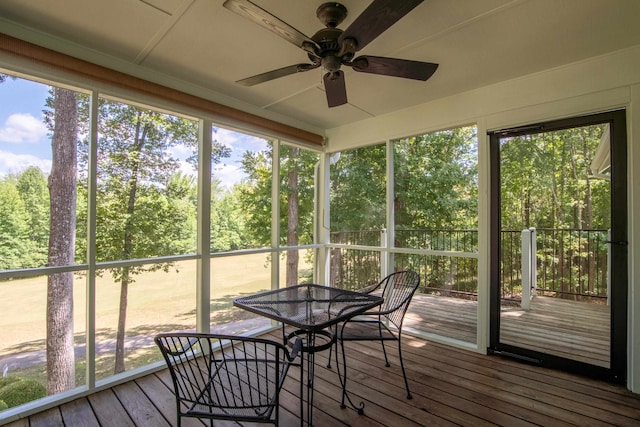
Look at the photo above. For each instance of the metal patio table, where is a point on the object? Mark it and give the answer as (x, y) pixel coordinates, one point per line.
(311, 309)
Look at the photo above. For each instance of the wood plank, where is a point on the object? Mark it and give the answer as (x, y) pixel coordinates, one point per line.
(109, 410)
(164, 381)
(49, 418)
(141, 410)
(22, 422)
(164, 400)
(79, 413)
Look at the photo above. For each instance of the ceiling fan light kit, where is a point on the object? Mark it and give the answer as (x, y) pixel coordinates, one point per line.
(331, 47)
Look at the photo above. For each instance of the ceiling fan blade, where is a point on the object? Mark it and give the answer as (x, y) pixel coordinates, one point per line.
(394, 67)
(376, 19)
(335, 88)
(276, 74)
(262, 17)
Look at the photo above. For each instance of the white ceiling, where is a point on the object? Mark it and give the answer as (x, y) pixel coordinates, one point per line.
(199, 42)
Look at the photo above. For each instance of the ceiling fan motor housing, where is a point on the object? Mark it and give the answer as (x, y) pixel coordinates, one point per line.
(327, 40)
(331, 14)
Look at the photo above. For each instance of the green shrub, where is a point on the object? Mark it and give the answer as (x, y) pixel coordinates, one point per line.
(8, 380)
(22, 391)
(3, 405)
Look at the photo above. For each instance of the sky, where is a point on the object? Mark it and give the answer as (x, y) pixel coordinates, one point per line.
(25, 140)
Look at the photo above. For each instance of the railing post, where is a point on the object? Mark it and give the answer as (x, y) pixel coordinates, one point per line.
(534, 261)
(529, 267)
(384, 254)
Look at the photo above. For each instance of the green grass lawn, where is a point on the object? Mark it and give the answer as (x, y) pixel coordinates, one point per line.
(157, 302)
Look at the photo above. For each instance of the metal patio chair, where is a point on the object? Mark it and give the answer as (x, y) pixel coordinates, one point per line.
(382, 324)
(226, 377)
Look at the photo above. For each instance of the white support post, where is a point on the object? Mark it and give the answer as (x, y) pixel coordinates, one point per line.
(534, 261)
(384, 258)
(529, 267)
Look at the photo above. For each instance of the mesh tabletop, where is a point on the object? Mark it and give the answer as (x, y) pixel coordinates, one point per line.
(310, 307)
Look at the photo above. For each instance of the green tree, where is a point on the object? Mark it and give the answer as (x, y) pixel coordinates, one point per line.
(296, 183)
(227, 220)
(33, 190)
(14, 227)
(436, 180)
(144, 208)
(358, 189)
(546, 180)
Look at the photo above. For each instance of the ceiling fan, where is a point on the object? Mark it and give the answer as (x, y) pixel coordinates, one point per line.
(332, 47)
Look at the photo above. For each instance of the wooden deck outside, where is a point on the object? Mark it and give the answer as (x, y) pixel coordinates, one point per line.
(572, 329)
(450, 387)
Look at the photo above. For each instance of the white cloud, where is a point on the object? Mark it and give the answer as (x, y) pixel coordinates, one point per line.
(227, 174)
(227, 137)
(22, 127)
(187, 169)
(14, 163)
(239, 141)
(180, 151)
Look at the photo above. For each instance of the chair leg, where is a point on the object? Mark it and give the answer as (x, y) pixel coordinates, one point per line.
(330, 351)
(384, 350)
(343, 380)
(404, 374)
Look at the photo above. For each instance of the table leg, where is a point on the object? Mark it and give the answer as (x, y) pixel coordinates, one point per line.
(307, 354)
(311, 337)
(306, 383)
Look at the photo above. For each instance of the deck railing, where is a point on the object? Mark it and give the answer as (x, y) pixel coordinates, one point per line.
(570, 263)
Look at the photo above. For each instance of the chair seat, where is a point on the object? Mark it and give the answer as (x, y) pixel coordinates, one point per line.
(234, 391)
(366, 330)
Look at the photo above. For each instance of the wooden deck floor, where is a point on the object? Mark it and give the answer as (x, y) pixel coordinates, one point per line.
(450, 387)
(576, 330)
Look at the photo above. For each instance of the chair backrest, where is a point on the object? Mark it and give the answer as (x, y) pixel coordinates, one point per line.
(224, 376)
(399, 288)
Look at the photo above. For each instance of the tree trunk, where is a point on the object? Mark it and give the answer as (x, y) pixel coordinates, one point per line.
(122, 320)
(293, 197)
(62, 193)
(141, 135)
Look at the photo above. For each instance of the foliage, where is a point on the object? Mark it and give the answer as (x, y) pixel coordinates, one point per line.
(145, 207)
(435, 183)
(15, 248)
(546, 181)
(32, 186)
(435, 178)
(22, 391)
(254, 196)
(228, 229)
(358, 188)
